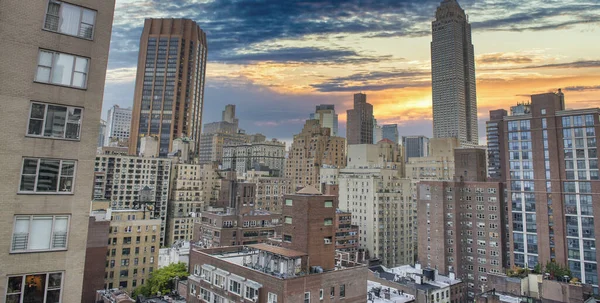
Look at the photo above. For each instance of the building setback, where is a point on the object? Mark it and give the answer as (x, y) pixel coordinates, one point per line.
(326, 115)
(551, 159)
(461, 227)
(169, 88)
(53, 69)
(302, 268)
(453, 75)
(360, 124)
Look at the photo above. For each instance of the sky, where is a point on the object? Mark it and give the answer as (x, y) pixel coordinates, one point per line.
(277, 59)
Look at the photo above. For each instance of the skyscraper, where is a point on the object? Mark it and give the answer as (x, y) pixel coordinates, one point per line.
(359, 126)
(169, 87)
(118, 124)
(390, 132)
(415, 147)
(453, 75)
(52, 81)
(326, 115)
(551, 161)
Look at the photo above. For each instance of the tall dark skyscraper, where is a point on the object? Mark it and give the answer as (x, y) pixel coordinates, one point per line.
(359, 126)
(169, 88)
(453, 75)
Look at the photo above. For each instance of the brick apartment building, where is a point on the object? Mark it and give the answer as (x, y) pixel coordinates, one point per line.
(302, 269)
(52, 74)
(461, 226)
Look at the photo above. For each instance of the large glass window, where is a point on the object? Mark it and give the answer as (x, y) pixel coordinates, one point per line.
(35, 288)
(70, 19)
(62, 69)
(55, 121)
(35, 233)
(47, 176)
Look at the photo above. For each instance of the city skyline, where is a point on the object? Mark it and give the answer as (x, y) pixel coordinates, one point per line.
(290, 70)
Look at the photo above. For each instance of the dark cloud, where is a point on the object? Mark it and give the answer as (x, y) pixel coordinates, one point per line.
(574, 64)
(303, 54)
(375, 81)
(499, 58)
(581, 88)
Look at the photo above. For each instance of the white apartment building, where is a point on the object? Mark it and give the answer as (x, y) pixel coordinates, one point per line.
(244, 157)
(118, 124)
(130, 182)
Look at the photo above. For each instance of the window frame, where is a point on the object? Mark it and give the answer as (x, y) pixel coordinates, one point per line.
(58, 192)
(28, 250)
(82, 8)
(87, 69)
(46, 105)
(46, 286)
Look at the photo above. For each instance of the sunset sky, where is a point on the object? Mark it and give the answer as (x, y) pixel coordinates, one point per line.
(277, 59)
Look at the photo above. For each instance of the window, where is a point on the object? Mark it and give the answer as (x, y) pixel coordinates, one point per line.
(55, 121)
(332, 291)
(307, 297)
(328, 203)
(192, 289)
(328, 240)
(207, 275)
(235, 287)
(34, 288)
(288, 220)
(287, 238)
(47, 176)
(272, 298)
(328, 221)
(219, 281)
(288, 202)
(70, 19)
(62, 69)
(343, 291)
(251, 293)
(321, 294)
(35, 233)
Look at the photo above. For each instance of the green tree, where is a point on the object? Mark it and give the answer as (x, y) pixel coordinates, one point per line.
(162, 280)
(557, 270)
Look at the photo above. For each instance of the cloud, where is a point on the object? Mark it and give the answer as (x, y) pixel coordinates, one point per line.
(581, 88)
(302, 54)
(502, 58)
(375, 81)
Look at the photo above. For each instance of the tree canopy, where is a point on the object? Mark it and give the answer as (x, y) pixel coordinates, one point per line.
(162, 280)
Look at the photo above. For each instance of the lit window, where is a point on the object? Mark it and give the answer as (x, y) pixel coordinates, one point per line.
(47, 176)
(70, 19)
(35, 233)
(62, 69)
(34, 288)
(55, 121)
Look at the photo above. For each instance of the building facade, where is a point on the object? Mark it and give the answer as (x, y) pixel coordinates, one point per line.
(359, 126)
(326, 115)
(552, 177)
(271, 273)
(453, 75)
(495, 145)
(169, 89)
(347, 235)
(244, 157)
(118, 124)
(390, 132)
(101, 135)
(462, 227)
(415, 147)
(129, 182)
(133, 250)
(311, 149)
(54, 59)
(269, 190)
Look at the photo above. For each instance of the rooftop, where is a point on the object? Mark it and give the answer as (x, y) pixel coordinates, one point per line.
(285, 252)
(409, 275)
(382, 294)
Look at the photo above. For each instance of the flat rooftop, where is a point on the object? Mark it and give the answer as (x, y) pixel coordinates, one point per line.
(290, 253)
(395, 295)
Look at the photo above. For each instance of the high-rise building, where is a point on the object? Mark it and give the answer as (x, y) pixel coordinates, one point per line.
(169, 87)
(415, 147)
(118, 124)
(453, 75)
(269, 190)
(229, 124)
(359, 125)
(326, 115)
(101, 131)
(495, 145)
(552, 175)
(52, 73)
(134, 182)
(311, 149)
(377, 132)
(302, 267)
(461, 227)
(371, 187)
(390, 132)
